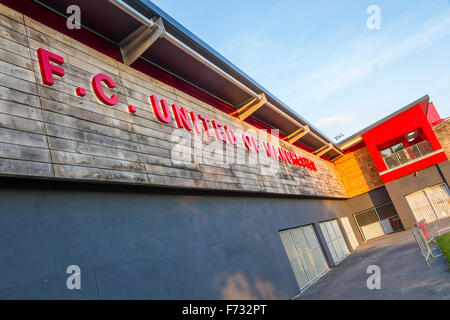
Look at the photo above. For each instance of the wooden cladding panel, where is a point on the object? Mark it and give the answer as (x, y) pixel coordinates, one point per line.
(442, 131)
(358, 173)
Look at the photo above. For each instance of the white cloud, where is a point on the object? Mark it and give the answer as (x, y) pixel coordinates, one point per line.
(359, 57)
(332, 122)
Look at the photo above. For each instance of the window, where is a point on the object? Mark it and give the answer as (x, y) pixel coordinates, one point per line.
(431, 204)
(398, 154)
(369, 224)
(389, 155)
(335, 240)
(378, 221)
(304, 253)
(391, 150)
(350, 233)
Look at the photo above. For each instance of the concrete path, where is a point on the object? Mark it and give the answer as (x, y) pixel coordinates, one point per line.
(404, 274)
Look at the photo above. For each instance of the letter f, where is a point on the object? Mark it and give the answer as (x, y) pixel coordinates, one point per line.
(48, 69)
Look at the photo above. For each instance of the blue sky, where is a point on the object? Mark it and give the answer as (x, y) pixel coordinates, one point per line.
(320, 58)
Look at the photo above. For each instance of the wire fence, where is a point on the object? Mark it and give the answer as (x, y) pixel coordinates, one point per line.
(432, 205)
(439, 227)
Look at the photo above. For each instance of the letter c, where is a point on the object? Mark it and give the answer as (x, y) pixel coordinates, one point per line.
(98, 89)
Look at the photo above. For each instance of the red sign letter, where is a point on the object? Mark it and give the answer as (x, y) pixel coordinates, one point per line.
(47, 69)
(97, 86)
(181, 118)
(163, 116)
(268, 148)
(194, 122)
(218, 130)
(205, 121)
(255, 144)
(250, 142)
(295, 159)
(230, 135)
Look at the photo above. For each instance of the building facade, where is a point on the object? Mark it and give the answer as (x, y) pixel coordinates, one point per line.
(132, 150)
(401, 161)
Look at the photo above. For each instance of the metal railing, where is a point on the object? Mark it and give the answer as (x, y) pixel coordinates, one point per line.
(426, 242)
(408, 154)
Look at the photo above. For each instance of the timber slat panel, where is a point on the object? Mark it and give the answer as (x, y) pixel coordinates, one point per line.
(25, 168)
(358, 172)
(442, 131)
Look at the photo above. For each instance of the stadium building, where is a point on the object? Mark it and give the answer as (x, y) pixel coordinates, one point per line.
(132, 150)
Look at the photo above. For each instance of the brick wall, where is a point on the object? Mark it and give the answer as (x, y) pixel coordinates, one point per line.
(442, 131)
(358, 172)
(50, 132)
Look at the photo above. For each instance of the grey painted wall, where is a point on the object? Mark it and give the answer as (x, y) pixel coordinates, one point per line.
(149, 245)
(369, 200)
(445, 170)
(411, 183)
(363, 202)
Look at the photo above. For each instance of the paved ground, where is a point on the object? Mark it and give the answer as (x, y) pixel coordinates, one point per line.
(404, 274)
